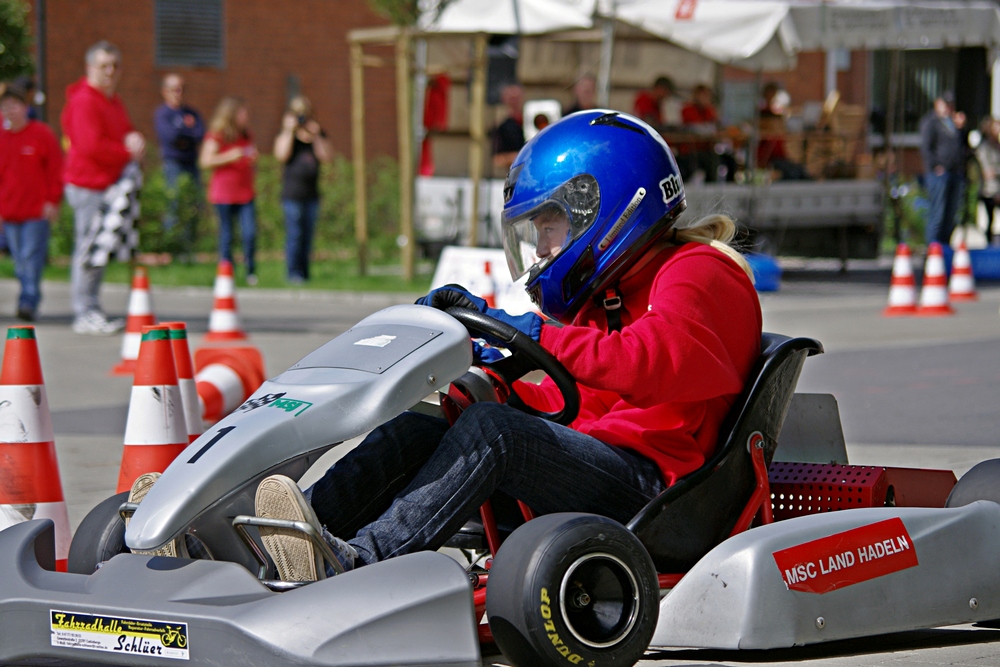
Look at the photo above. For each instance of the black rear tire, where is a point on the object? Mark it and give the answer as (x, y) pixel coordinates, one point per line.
(571, 589)
(100, 536)
(981, 482)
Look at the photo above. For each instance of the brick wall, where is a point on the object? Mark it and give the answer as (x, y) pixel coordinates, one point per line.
(807, 81)
(266, 42)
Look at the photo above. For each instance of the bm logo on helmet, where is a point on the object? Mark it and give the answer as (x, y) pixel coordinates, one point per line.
(671, 187)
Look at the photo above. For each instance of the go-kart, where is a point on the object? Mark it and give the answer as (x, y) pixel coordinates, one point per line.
(687, 570)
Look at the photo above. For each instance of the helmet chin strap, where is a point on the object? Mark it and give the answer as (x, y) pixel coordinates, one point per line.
(613, 306)
(613, 302)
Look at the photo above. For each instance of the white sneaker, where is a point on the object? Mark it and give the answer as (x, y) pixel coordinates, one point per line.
(96, 323)
(294, 555)
(140, 487)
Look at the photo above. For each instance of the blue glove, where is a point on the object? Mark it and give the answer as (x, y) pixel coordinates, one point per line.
(484, 354)
(445, 297)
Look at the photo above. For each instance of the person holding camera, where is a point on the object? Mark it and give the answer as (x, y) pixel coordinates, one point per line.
(301, 146)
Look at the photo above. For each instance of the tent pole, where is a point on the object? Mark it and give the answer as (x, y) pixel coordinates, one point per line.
(404, 119)
(890, 127)
(358, 150)
(607, 52)
(476, 131)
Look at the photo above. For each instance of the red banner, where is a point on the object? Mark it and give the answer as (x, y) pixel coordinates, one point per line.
(847, 558)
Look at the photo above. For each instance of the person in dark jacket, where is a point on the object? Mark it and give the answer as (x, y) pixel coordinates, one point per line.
(942, 147)
(301, 146)
(180, 130)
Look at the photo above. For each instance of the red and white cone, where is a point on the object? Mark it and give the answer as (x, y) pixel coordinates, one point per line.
(185, 379)
(225, 377)
(490, 287)
(140, 314)
(224, 322)
(903, 288)
(155, 432)
(30, 486)
(962, 285)
(934, 294)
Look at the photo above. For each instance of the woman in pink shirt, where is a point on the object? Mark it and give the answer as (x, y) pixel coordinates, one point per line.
(230, 154)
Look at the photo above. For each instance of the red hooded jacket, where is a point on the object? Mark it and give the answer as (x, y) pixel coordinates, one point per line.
(95, 127)
(30, 172)
(663, 384)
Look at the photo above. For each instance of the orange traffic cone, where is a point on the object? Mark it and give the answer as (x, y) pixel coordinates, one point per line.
(30, 486)
(140, 314)
(224, 322)
(489, 294)
(902, 289)
(934, 294)
(962, 286)
(155, 432)
(185, 379)
(225, 377)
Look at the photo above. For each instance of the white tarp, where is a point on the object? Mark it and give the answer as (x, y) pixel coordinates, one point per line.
(755, 34)
(767, 34)
(508, 17)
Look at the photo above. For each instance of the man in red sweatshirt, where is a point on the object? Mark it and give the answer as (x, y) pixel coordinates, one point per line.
(102, 142)
(30, 192)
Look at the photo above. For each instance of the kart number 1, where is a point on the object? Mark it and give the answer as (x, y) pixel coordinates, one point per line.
(218, 436)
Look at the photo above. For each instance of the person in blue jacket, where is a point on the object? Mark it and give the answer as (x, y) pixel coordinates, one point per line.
(180, 130)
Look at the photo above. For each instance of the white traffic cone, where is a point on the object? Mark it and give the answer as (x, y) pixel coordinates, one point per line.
(224, 322)
(225, 377)
(31, 487)
(155, 432)
(140, 314)
(934, 294)
(185, 379)
(903, 288)
(962, 285)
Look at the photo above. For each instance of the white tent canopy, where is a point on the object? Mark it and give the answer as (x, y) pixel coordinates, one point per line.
(755, 34)
(767, 34)
(507, 17)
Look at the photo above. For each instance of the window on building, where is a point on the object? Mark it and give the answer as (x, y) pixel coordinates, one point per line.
(189, 33)
(923, 75)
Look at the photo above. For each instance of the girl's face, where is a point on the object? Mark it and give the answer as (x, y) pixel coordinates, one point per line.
(242, 118)
(553, 232)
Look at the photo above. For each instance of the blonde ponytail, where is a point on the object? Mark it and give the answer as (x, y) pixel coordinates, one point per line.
(717, 231)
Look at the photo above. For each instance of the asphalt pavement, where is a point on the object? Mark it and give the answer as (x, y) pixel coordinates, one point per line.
(918, 392)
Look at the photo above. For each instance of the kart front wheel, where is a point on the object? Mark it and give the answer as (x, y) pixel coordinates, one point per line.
(573, 589)
(100, 536)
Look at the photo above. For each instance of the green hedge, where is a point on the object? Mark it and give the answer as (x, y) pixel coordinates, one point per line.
(334, 228)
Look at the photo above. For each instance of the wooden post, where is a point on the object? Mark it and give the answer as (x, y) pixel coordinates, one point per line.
(404, 122)
(476, 132)
(358, 149)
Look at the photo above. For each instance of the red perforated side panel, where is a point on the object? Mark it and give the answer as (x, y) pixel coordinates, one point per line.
(798, 489)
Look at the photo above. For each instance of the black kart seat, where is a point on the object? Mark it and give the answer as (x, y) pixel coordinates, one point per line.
(697, 513)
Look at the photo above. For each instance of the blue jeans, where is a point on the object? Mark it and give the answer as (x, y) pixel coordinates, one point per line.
(248, 230)
(300, 225)
(945, 193)
(172, 169)
(414, 482)
(29, 246)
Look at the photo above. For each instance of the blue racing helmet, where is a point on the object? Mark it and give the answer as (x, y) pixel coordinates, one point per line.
(585, 198)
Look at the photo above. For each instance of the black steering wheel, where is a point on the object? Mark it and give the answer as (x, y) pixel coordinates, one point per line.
(526, 355)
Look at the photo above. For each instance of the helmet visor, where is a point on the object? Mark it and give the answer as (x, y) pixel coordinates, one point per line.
(536, 231)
